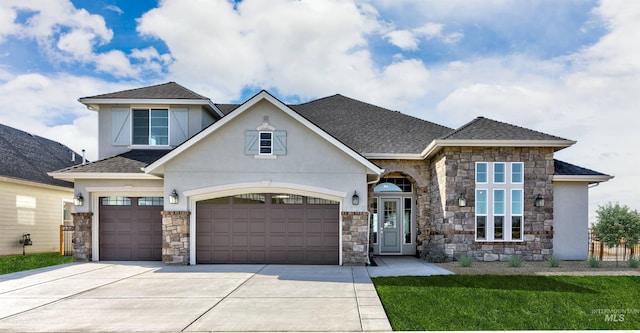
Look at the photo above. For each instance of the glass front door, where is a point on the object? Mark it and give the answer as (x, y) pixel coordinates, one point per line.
(390, 226)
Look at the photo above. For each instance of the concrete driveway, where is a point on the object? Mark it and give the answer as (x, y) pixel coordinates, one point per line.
(144, 296)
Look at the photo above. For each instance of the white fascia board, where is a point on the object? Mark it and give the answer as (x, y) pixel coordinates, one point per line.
(263, 95)
(94, 103)
(435, 145)
(71, 176)
(582, 178)
(35, 184)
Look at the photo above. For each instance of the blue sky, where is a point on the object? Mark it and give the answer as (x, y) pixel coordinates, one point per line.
(568, 68)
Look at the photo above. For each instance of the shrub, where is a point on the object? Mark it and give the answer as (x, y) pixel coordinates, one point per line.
(593, 262)
(516, 260)
(433, 252)
(466, 261)
(633, 262)
(554, 261)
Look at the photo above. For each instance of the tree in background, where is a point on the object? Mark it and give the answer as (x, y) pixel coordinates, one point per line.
(617, 224)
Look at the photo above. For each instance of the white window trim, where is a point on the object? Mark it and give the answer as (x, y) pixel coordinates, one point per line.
(486, 216)
(148, 109)
(260, 153)
(511, 173)
(493, 173)
(521, 215)
(486, 172)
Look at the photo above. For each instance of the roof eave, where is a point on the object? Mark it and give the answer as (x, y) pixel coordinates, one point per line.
(436, 145)
(392, 156)
(72, 176)
(591, 179)
(36, 184)
(94, 103)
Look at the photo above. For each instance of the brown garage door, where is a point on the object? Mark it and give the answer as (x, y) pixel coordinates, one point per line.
(267, 228)
(130, 228)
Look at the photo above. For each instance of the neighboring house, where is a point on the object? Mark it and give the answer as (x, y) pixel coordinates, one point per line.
(31, 201)
(331, 181)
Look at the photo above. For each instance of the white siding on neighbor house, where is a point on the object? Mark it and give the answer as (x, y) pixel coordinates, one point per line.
(114, 126)
(310, 161)
(571, 220)
(34, 210)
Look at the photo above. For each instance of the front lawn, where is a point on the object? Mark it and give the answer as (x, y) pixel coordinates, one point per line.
(510, 302)
(31, 261)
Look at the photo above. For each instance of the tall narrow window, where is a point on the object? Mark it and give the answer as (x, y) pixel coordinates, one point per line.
(374, 221)
(481, 214)
(498, 214)
(481, 173)
(266, 143)
(516, 214)
(407, 220)
(516, 173)
(498, 173)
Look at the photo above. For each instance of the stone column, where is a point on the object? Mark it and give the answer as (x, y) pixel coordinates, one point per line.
(354, 238)
(175, 237)
(82, 236)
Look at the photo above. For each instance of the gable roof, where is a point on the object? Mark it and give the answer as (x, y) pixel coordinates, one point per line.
(370, 129)
(263, 95)
(564, 171)
(29, 157)
(128, 165)
(165, 93)
(483, 128)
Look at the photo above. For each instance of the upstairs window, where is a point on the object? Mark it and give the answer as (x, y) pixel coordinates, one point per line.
(266, 143)
(151, 127)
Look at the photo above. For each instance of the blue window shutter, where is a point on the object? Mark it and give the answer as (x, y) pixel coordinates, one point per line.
(120, 127)
(251, 142)
(279, 142)
(179, 126)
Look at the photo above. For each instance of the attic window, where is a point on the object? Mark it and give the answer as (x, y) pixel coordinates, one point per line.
(151, 127)
(266, 143)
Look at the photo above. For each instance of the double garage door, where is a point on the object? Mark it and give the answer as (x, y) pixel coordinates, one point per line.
(249, 228)
(267, 228)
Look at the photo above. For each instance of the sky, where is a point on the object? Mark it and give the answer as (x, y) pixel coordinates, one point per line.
(568, 68)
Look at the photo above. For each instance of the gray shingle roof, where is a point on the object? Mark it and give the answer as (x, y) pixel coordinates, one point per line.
(169, 90)
(487, 129)
(367, 128)
(567, 169)
(129, 162)
(226, 108)
(29, 157)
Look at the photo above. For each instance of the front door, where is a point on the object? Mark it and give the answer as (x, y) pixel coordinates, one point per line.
(390, 226)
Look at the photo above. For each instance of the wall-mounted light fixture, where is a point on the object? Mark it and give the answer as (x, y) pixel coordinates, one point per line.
(355, 199)
(173, 197)
(462, 201)
(78, 200)
(539, 202)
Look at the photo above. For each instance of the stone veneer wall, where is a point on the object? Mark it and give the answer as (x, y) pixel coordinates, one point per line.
(418, 172)
(175, 237)
(354, 238)
(82, 236)
(453, 172)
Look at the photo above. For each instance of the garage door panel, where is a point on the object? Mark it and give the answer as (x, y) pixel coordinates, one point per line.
(269, 232)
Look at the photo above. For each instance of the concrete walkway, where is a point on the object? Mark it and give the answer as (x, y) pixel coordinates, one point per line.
(144, 296)
(404, 266)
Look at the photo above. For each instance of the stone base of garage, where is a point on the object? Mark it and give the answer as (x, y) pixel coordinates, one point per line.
(175, 237)
(355, 236)
(82, 236)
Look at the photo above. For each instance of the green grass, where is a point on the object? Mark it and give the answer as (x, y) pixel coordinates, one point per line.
(13, 264)
(509, 302)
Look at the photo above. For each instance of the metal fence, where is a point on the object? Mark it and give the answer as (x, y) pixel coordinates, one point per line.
(602, 252)
(66, 240)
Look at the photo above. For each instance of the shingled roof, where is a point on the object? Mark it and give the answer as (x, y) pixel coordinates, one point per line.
(367, 128)
(130, 162)
(483, 128)
(169, 90)
(567, 169)
(29, 157)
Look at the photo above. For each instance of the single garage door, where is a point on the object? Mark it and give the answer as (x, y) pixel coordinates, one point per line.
(131, 228)
(267, 228)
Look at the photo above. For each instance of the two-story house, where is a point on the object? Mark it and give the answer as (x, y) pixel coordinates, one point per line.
(331, 181)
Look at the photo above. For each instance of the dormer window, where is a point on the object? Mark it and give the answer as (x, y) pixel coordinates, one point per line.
(151, 127)
(266, 143)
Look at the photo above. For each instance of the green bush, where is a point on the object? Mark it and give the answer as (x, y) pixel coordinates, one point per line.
(593, 262)
(516, 260)
(466, 261)
(554, 261)
(633, 262)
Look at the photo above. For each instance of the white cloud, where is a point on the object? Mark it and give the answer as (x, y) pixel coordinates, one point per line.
(115, 9)
(404, 39)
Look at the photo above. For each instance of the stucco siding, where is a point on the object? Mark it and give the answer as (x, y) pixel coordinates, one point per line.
(571, 210)
(31, 209)
(220, 159)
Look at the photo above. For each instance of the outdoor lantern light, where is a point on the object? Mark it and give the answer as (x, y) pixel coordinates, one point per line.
(78, 200)
(355, 199)
(173, 197)
(462, 202)
(539, 201)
